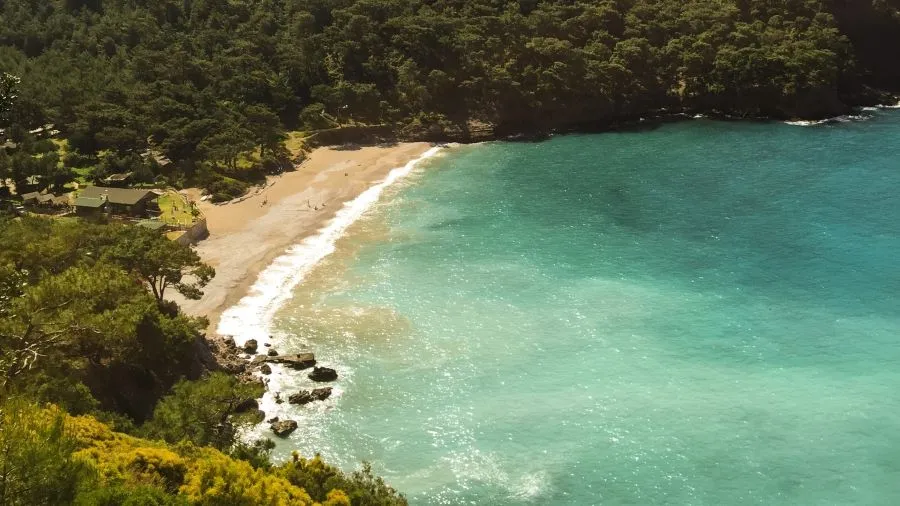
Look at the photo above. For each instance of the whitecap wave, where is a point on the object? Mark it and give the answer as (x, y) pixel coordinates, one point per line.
(251, 317)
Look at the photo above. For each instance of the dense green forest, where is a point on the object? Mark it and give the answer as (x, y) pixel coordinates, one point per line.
(90, 351)
(202, 83)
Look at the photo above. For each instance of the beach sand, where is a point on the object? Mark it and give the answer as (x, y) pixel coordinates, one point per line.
(246, 236)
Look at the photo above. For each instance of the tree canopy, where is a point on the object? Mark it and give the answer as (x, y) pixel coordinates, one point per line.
(208, 83)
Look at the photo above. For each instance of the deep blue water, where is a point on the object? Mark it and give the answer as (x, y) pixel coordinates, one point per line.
(702, 313)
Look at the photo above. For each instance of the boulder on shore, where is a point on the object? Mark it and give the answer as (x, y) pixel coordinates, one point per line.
(266, 369)
(323, 374)
(283, 428)
(250, 346)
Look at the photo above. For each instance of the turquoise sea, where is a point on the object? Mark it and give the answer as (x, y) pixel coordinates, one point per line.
(702, 313)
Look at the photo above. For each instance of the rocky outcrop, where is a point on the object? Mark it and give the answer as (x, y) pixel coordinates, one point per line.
(321, 374)
(246, 405)
(302, 397)
(306, 396)
(299, 361)
(250, 346)
(283, 428)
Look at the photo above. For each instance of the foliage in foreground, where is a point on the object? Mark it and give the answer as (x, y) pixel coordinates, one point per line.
(47, 457)
(79, 326)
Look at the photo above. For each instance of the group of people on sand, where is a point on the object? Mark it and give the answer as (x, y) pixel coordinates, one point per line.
(308, 205)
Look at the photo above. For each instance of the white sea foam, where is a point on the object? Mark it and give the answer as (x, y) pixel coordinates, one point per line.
(831, 121)
(251, 317)
(895, 106)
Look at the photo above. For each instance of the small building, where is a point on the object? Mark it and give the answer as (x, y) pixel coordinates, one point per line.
(53, 201)
(118, 180)
(90, 207)
(122, 201)
(31, 198)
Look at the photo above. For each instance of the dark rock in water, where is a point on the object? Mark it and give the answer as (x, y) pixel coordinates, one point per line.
(229, 343)
(323, 374)
(278, 399)
(267, 344)
(273, 419)
(246, 405)
(320, 394)
(266, 369)
(250, 346)
(299, 361)
(302, 397)
(272, 352)
(305, 396)
(259, 416)
(283, 428)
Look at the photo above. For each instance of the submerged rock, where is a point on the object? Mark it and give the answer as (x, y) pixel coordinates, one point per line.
(283, 428)
(323, 374)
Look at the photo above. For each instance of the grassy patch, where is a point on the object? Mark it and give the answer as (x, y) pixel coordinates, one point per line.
(295, 142)
(175, 210)
(248, 160)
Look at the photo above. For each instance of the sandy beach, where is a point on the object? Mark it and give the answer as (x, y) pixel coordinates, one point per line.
(247, 236)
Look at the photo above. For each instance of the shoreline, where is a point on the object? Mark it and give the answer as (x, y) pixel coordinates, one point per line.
(247, 237)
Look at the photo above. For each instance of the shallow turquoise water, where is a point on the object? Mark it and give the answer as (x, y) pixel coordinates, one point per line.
(703, 313)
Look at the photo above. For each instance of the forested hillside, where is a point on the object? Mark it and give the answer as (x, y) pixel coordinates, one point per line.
(203, 81)
(85, 335)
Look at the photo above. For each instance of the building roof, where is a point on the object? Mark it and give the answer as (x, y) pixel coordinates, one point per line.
(94, 202)
(56, 200)
(151, 224)
(119, 177)
(122, 196)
